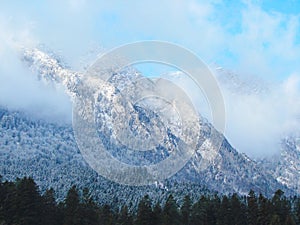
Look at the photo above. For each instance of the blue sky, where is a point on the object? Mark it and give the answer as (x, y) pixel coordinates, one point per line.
(258, 39)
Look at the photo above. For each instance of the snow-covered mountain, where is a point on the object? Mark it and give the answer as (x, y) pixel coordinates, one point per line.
(285, 167)
(48, 151)
(287, 170)
(283, 158)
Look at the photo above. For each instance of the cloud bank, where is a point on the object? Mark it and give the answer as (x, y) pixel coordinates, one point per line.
(260, 115)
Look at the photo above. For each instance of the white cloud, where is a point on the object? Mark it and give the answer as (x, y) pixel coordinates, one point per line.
(267, 45)
(258, 120)
(258, 114)
(19, 90)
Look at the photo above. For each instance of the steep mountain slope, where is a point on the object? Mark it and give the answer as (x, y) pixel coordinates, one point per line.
(288, 168)
(48, 152)
(284, 163)
(285, 167)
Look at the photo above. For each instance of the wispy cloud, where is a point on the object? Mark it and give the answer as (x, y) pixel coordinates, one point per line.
(258, 118)
(240, 35)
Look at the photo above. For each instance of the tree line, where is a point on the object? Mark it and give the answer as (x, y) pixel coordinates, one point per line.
(21, 203)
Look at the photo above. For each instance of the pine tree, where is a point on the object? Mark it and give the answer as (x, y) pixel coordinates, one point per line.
(195, 217)
(49, 209)
(170, 212)
(289, 221)
(72, 207)
(275, 220)
(265, 210)
(186, 210)
(22, 204)
(88, 209)
(2, 197)
(144, 213)
(297, 209)
(9, 202)
(213, 209)
(106, 215)
(224, 214)
(28, 201)
(237, 210)
(281, 205)
(252, 212)
(124, 217)
(157, 214)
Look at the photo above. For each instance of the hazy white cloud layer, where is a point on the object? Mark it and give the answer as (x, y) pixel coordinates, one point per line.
(259, 114)
(257, 120)
(241, 36)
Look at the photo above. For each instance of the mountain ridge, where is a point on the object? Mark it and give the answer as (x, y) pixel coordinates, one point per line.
(215, 168)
